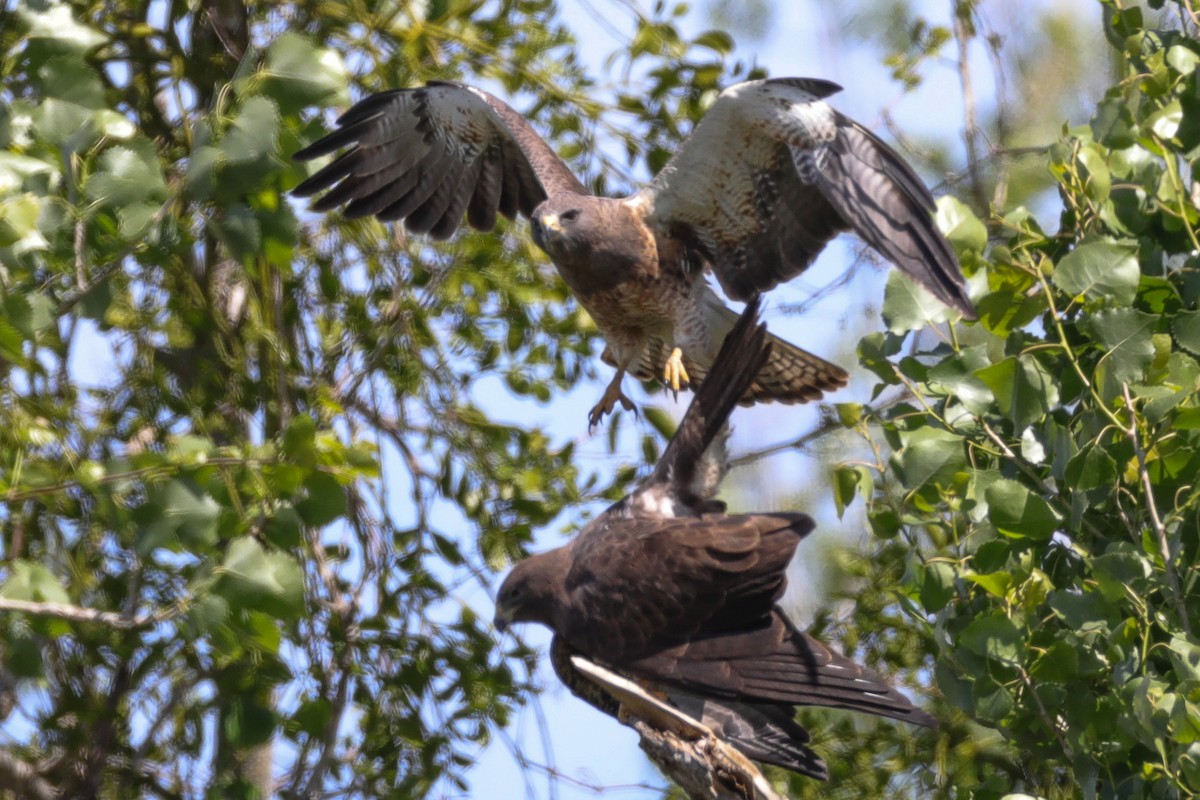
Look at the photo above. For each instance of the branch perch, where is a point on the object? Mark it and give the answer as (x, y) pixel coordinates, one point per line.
(686, 751)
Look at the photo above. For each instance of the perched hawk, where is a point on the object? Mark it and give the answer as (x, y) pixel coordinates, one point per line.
(767, 178)
(666, 588)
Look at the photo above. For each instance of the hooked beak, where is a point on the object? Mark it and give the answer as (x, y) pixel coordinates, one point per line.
(541, 225)
(501, 621)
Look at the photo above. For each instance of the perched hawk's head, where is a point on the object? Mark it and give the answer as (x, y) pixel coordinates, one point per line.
(533, 591)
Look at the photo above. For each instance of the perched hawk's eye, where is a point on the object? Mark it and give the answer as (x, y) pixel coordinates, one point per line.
(569, 216)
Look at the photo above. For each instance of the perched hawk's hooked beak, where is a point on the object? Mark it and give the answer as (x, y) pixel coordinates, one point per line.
(501, 621)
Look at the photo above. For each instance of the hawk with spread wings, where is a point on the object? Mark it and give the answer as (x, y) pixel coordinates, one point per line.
(766, 179)
(665, 587)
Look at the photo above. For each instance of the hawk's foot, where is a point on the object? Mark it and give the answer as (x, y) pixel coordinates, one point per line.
(612, 396)
(674, 375)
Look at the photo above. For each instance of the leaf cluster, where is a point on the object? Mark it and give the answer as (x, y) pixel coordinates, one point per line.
(1033, 489)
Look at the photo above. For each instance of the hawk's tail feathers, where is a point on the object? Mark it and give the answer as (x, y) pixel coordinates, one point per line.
(791, 375)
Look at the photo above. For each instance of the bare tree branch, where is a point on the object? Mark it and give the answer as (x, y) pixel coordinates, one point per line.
(80, 614)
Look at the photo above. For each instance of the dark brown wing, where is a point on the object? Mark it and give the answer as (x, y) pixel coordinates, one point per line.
(637, 586)
(772, 173)
(428, 155)
(744, 351)
(775, 663)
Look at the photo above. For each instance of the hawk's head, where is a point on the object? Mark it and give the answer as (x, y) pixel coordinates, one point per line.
(592, 236)
(562, 226)
(534, 591)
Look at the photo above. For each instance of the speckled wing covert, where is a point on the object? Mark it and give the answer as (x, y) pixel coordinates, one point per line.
(772, 173)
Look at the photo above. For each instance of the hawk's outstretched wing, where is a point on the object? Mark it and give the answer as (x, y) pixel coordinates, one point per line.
(431, 154)
(772, 173)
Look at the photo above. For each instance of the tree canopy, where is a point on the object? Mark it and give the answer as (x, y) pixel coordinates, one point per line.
(248, 457)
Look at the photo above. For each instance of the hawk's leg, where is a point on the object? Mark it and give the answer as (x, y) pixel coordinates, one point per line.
(612, 396)
(674, 375)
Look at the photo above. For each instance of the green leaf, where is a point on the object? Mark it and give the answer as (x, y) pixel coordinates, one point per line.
(253, 134)
(251, 578)
(1185, 654)
(1127, 336)
(937, 585)
(929, 456)
(27, 314)
(18, 218)
(325, 500)
(1016, 511)
(849, 480)
(1025, 391)
(718, 41)
(299, 74)
(996, 584)
(1113, 124)
(849, 414)
(128, 174)
(908, 306)
(956, 375)
(248, 722)
(995, 637)
(32, 582)
(208, 612)
(1032, 449)
(54, 25)
(312, 716)
(1059, 662)
(993, 702)
(1091, 468)
(874, 352)
(962, 228)
(300, 441)
(177, 512)
(1121, 570)
(1083, 613)
(1101, 268)
(1182, 59)
(1186, 327)
(1097, 180)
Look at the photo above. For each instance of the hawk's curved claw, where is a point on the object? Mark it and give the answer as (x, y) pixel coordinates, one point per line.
(612, 396)
(674, 374)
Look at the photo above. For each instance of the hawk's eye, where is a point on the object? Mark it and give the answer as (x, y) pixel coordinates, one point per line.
(569, 216)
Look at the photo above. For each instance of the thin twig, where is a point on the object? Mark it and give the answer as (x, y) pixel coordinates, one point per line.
(1155, 521)
(961, 12)
(828, 425)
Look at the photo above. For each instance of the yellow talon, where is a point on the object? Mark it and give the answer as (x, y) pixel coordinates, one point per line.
(674, 374)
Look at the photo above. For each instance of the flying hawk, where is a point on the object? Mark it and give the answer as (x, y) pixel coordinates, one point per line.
(666, 588)
(767, 178)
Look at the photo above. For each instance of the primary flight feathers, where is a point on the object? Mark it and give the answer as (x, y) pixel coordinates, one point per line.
(664, 588)
(767, 178)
